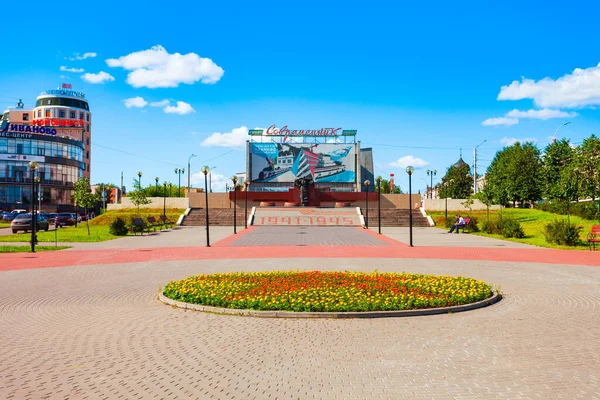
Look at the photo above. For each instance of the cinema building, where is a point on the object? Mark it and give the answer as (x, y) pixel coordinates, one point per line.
(56, 134)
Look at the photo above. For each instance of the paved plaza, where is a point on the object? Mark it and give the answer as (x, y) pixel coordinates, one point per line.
(95, 330)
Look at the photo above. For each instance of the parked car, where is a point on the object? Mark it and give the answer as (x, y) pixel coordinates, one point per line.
(65, 219)
(51, 218)
(19, 211)
(7, 216)
(23, 222)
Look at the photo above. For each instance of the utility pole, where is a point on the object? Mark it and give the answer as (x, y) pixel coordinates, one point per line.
(121, 189)
(475, 167)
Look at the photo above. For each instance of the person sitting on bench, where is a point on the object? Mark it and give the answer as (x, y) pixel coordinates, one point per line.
(460, 223)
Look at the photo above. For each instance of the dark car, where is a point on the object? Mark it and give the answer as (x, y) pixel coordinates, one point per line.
(22, 222)
(65, 219)
(51, 218)
(83, 217)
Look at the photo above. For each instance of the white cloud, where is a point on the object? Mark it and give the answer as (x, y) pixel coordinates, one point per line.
(236, 138)
(545, 113)
(135, 102)
(156, 68)
(500, 121)
(405, 161)
(161, 103)
(82, 57)
(506, 141)
(578, 89)
(64, 77)
(100, 77)
(181, 108)
(218, 181)
(74, 70)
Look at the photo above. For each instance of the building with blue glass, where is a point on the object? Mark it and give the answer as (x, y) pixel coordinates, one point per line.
(56, 134)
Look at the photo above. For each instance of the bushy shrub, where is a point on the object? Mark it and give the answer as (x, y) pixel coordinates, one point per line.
(562, 232)
(586, 210)
(511, 228)
(118, 227)
(473, 225)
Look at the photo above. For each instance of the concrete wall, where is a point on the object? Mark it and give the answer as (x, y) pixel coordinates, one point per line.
(155, 202)
(454, 205)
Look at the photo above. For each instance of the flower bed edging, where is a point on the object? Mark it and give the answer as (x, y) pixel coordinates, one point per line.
(351, 314)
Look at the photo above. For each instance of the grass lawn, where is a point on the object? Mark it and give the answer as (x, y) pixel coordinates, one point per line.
(4, 224)
(27, 249)
(532, 221)
(67, 234)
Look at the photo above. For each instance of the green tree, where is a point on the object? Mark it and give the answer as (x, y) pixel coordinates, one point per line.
(515, 174)
(486, 197)
(587, 162)
(138, 195)
(457, 182)
(558, 157)
(84, 197)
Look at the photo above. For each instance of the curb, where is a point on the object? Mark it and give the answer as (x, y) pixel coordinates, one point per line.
(367, 314)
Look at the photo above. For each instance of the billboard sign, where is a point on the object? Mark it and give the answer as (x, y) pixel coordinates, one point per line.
(286, 162)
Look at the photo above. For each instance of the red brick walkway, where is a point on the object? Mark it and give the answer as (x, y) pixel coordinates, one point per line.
(222, 250)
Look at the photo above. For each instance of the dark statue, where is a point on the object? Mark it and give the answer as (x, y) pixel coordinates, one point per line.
(303, 184)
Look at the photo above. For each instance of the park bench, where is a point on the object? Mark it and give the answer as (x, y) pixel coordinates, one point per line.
(166, 221)
(594, 237)
(154, 223)
(465, 226)
(138, 225)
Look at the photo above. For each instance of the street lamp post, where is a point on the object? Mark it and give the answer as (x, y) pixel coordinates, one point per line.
(189, 159)
(140, 179)
(179, 171)
(409, 171)
(367, 183)
(234, 179)
(205, 171)
(156, 186)
(165, 200)
(378, 179)
(431, 175)
(246, 184)
(33, 166)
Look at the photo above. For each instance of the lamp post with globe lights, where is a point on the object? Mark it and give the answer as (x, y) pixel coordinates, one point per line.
(409, 171)
(33, 166)
(431, 174)
(247, 185)
(234, 179)
(179, 171)
(367, 183)
(378, 180)
(206, 170)
(156, 186)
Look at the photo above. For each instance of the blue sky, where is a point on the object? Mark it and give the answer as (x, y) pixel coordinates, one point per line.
(416, 80)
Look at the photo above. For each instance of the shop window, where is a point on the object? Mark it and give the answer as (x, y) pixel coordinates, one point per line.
(87, 141)
(87, 117)
(48, 113)
(80, 115)
(61, 113)
(87, 154)
(25, 116)
(72, 114)
(88, 127)
(39, 113)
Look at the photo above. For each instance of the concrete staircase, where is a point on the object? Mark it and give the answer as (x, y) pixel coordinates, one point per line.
(395, 217)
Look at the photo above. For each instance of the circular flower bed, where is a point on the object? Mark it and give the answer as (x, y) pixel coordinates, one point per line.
(317, 291)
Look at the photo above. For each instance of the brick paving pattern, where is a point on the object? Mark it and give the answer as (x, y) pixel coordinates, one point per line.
(307, 236)
(98, 332)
